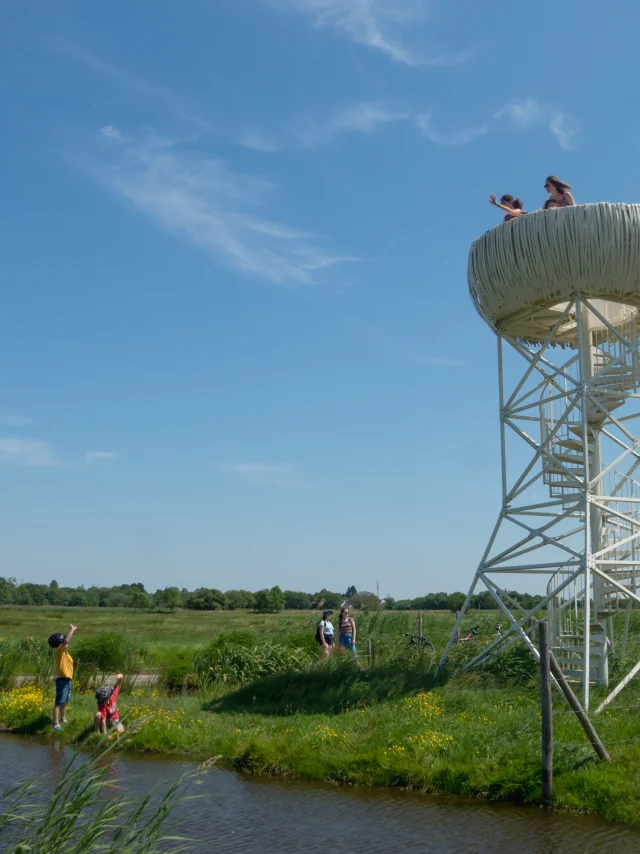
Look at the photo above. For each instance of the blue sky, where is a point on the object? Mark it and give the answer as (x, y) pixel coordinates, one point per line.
(237, 342)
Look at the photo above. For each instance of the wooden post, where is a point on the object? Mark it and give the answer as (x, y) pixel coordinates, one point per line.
(573, 701)
(420, 624)
(369, 652)
(547, 714)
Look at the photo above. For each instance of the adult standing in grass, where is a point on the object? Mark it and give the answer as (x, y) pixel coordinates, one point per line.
(64, 674)
(324, 634)
(347, 631)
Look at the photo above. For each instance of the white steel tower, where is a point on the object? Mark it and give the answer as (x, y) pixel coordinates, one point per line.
(561, 288)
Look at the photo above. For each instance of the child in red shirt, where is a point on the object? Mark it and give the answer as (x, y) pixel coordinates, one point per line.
(107, 717)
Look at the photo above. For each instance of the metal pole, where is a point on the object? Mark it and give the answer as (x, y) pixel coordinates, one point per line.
(584, 351)
(547, 714)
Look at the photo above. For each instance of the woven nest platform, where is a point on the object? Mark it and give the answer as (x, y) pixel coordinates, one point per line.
(524, 272)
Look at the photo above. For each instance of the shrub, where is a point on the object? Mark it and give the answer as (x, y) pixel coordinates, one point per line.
(177, 675)
(36, 659)
(105, 654)
(237, 664)
(516, 663)
(270, 601)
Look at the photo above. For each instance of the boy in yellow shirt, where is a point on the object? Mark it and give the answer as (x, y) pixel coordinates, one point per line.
(64, 674)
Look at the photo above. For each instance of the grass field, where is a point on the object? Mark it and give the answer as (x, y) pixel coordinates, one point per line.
(389, 724)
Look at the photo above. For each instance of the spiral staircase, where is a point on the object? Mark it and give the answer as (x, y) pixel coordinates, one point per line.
(614, 376)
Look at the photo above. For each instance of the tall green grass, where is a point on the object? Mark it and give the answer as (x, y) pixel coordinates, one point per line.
(105, 654)
(75, 817)
(28, 656)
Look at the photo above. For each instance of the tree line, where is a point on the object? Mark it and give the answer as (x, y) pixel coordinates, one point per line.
(269, 600)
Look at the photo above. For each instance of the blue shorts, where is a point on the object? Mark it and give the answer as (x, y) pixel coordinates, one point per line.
(63, 691)
(347, 642)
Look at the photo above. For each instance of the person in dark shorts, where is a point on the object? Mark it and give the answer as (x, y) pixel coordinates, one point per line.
(63, 665)
(324, 634)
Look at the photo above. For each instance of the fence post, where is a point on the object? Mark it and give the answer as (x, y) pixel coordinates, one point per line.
(420, 624)
(370, 653)
(547, 714)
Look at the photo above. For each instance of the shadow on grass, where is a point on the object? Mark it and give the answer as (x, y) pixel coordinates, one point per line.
(34, 727)
(323, 690)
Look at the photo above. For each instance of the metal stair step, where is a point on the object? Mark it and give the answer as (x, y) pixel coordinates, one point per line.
(573, 444)
(570, 458)
(576, 470)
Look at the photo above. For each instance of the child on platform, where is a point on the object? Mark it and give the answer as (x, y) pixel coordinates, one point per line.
(63, 665)
(107, 716)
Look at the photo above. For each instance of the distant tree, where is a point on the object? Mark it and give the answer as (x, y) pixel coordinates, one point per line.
(390, 603)
(351, 591)
(240, 599)
(269, 601)
(93, 597)
(168, 598)
(455, 601)
(327, 599)
(54, 585)
(7, 591)
(205, 599)
(365, 601)
(78, 599)
(297, 600)
(140, 599)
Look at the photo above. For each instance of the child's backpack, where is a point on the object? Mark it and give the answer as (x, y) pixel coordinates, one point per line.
(318, 636)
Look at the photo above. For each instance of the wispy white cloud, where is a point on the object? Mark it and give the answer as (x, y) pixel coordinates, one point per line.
(276, 474)
(564, 130)
(13, 419)
(99, 456)
(379, 24)
(125, 79)
(363, 117)
(18, 450)
(202, 200)
(527, 113)
(109, 132)
(367, 117)
(258, 141)
(457, 137)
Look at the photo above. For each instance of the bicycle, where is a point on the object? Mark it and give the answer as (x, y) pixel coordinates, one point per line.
(419, 641)
(471, 635)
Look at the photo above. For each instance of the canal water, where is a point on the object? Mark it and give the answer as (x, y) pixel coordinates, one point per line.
(269, 816)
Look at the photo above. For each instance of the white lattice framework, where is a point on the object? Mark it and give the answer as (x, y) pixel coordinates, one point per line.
(561, 289)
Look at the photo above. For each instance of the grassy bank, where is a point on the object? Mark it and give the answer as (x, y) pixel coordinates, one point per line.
(388, 725)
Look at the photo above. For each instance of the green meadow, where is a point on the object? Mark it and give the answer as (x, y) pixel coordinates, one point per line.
(251, 691)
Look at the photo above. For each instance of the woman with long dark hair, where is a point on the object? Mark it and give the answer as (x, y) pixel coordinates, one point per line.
(512, 207)
(347, 631)
(559, 195)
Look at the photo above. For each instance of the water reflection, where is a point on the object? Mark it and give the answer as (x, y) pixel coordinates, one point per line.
(236, 814)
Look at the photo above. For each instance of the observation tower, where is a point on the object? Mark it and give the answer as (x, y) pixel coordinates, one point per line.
(561, 289)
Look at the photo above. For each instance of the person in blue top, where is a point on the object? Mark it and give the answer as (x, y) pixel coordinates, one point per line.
(324, 635)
